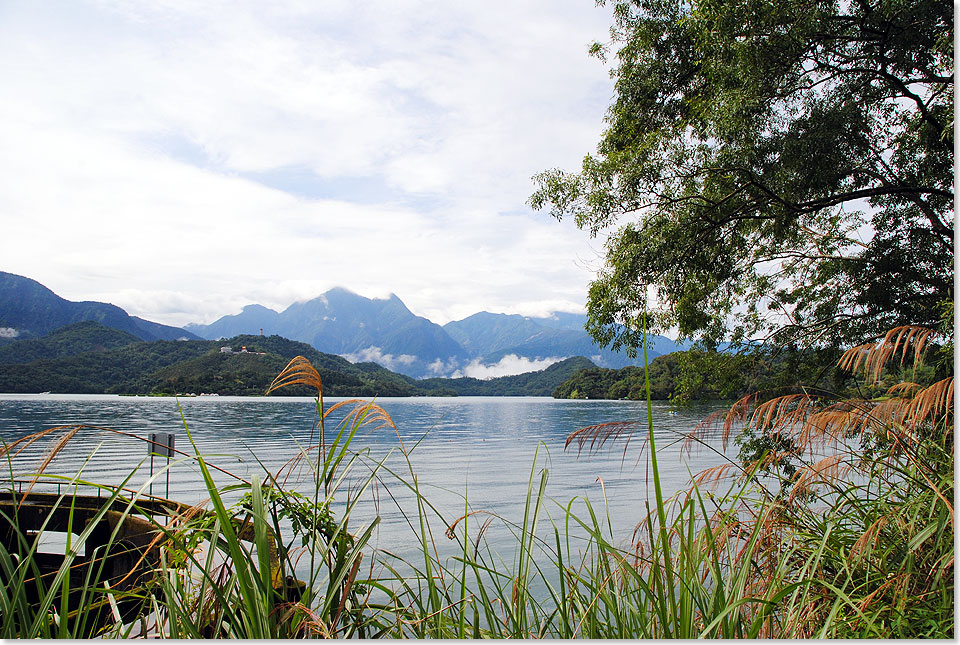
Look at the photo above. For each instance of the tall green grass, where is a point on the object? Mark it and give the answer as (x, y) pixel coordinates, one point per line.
(858, 542)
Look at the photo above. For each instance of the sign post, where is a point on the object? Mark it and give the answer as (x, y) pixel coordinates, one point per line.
(161, 444)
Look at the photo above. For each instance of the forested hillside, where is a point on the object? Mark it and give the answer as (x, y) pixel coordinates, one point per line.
(701, 375)
(88, 358)
(170, 367)
(78, 338)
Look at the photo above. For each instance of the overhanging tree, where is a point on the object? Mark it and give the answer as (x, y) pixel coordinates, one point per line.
(778, 171)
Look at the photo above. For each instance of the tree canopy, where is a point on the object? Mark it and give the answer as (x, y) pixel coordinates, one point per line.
(779, 171)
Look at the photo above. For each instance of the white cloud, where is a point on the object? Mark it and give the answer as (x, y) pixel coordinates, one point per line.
(184, 159)
(376, 355)
(440, 367)
(507, 366)
(544, 308)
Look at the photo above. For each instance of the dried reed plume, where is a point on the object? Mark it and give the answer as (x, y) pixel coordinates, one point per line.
(299, 371)
(873, 357)
(598, 435)
(832, 520)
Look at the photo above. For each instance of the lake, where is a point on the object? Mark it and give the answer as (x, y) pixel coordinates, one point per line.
(481, 447)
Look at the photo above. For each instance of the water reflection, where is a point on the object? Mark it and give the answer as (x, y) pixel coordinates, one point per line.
(480, 447)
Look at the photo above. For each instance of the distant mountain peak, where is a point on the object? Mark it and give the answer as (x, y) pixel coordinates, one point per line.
(343, 322)
(33, 310)
(257, 308)
(340, 290)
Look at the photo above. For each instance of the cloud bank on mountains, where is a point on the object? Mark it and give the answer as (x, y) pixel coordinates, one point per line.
(509, 365)
(376, 355)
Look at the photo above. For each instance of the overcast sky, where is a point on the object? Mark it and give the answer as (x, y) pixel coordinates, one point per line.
(182, 159)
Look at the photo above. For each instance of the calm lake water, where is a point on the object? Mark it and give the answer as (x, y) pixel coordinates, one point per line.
(481, 448)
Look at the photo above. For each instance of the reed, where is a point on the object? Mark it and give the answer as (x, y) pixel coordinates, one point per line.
(843, 525)
(857, 541)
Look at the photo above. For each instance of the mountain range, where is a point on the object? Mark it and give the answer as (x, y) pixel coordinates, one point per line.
(382, 331)
(340, 322)
(386, 332)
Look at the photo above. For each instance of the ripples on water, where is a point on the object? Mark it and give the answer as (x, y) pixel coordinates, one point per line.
(480, 446)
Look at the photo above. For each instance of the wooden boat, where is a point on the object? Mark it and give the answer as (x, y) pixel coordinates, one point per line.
(118, 559)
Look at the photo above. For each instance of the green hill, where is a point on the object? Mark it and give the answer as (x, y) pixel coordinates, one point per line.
(250, 372)
(98, 372)
(88, 358)
(170, 367)
(625, 383)
(78, 338)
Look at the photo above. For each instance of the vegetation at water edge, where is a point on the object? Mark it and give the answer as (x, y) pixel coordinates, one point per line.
(747, 551)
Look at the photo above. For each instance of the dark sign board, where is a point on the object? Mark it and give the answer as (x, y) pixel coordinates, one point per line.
(161, 444)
